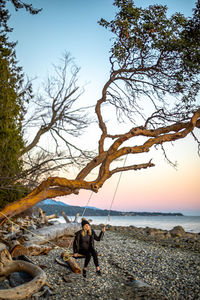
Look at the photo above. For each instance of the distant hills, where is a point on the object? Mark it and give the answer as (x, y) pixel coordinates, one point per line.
(57, 207)
(53, 202)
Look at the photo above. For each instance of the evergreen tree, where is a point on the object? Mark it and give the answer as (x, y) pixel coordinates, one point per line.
(12, 98)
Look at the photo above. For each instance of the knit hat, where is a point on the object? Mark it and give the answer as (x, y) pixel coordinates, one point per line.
(84, 222)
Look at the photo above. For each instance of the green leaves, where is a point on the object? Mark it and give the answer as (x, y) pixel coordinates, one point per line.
(164, 49)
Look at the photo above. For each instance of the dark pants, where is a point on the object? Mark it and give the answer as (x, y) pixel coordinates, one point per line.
(91, 252)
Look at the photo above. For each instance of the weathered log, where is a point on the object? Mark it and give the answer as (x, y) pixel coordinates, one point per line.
(35, 250)
(17, 249)
(10, 236)
(67, 261)
(42, 215)
(64, 241)
(71, 262)
(21, 224)
(2, 246)
(3, 231)
(76, 218)
(27, 221)
(65, 217)
(45, 234)
(54, 216)
(8, 266)
(12, 244)
(14, 228)
(61, 262)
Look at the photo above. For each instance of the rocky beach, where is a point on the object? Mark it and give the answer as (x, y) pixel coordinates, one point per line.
(136, 264)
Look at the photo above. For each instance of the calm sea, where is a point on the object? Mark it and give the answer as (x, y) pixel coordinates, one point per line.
(189, 223)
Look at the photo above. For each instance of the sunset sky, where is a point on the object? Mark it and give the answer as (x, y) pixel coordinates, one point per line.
(71, 25)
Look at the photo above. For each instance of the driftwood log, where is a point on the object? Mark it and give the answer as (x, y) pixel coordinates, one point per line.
(16, 249)
(44, 217)
(46, 234)
(33, 250)
(8, 266)
(2, 247)
(71, 262)
(67, 220)
(76, 218)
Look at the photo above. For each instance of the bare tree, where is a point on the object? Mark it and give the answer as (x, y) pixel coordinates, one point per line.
(56, 116)
(150, 65)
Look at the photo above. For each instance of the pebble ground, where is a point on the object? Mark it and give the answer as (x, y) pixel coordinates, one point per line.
(131, 269)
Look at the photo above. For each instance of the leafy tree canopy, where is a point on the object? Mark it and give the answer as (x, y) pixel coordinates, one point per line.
(155, 55)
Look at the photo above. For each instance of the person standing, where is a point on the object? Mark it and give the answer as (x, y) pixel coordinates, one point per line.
(84, 244)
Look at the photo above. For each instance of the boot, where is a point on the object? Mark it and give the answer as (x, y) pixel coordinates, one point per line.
(84, 273)
(98, 272)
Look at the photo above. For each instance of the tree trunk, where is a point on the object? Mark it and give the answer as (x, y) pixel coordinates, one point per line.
(42, 215)
(76, 218)
(32, 250)
(45, 218)
(65, 217)
(46, 234)
(50, 217)
(16, 249)
(35, 250)
(71, 262)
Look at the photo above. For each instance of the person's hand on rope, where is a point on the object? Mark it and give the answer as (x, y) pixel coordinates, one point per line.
(75, 255)
(103, 229)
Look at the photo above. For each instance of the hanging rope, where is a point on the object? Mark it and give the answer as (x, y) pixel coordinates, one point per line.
(115, 192)
(87, 204)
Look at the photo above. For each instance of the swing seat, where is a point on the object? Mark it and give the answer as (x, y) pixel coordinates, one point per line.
(82, 255)
(79, 256)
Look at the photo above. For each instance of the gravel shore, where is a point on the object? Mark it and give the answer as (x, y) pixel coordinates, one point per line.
(131, 269)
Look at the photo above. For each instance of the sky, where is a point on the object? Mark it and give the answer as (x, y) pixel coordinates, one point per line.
(71, 25)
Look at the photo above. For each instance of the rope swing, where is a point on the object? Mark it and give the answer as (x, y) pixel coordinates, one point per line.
(115, 192)
(114, 195)
(87, 204)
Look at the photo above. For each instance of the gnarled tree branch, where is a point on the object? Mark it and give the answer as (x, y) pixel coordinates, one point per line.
(56, 186)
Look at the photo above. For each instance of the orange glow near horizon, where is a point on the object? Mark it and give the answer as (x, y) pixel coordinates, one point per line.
(161, 188)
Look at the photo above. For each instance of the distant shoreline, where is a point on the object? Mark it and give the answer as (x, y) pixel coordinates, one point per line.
(73, 210)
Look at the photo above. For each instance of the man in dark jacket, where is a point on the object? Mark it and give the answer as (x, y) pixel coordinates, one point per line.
(84, 244)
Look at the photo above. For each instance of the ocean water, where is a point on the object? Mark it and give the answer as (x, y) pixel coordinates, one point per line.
(189, 223)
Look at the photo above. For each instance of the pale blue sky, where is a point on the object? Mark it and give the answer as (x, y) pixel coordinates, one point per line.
(71, 25)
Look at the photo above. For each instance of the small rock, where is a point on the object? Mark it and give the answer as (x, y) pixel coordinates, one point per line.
(66, 279)
(139, 284)
(177, 231)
